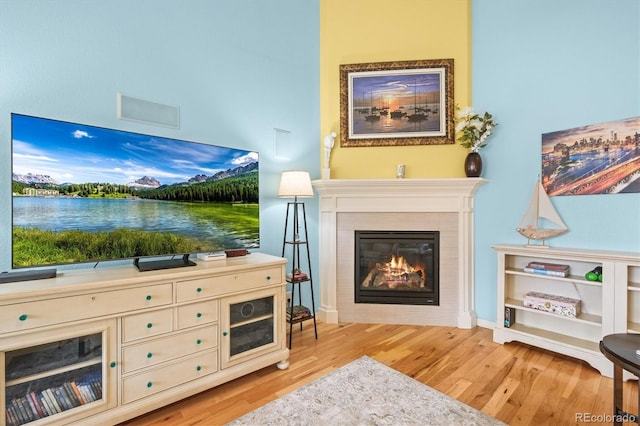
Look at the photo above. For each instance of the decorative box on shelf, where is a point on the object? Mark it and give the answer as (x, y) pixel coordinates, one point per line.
(560, 305)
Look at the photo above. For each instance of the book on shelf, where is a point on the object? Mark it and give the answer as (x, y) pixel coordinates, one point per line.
(12, 416)
(300, 276)
(63, 400)
(77, 400)
(52, 400)
(548, 272)
(23, 411)
(548, 266)
(90, 389)
(47, 403)
(84, 389)
(35, 404)
(39, 404)
(74, 386)
(97, 385)
(33, 412)
(17, 416)
(43, 404)
(299, 312)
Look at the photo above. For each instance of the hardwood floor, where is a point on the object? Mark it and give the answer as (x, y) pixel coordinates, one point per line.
(515, 383)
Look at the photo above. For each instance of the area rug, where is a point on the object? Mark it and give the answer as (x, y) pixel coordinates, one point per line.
(365, 392)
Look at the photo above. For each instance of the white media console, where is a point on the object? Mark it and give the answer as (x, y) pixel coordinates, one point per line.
(104, 345)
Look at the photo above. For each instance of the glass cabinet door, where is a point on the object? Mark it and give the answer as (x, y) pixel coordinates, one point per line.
(51, 378)
(249, 324)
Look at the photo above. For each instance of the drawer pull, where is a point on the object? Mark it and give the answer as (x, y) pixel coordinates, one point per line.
(113, 364)
(148, 297)
(149, 384)
(199, 315)
(149, 355)
(23, 317)
(198, 341)
(199, 290)
(224, 333)
(268, 277)
(198, 368)
(149, 325)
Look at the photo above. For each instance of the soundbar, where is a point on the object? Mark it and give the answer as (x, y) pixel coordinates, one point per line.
(154, 265)
(14, 276)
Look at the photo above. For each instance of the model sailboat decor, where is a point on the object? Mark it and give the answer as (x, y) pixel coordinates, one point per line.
(541, 220)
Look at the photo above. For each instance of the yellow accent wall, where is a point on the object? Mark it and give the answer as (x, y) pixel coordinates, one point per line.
(360, 31)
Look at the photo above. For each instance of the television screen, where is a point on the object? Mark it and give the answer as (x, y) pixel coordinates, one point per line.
(88, 194)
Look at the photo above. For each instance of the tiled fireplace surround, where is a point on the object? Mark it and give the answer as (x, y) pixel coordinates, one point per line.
(444, 205)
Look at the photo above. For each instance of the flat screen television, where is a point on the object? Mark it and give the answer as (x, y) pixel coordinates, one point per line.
(90, 194)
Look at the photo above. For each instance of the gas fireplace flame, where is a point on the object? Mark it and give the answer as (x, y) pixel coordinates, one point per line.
(396, 267)
(396, 273)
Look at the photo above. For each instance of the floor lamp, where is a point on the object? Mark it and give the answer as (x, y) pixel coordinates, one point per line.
(297, 184)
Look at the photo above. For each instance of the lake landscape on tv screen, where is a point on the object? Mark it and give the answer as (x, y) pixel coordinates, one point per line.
(86, 194)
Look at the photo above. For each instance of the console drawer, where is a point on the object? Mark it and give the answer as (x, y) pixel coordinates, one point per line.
(166, 376)
(24, 316)
(214, 286)
(197, 314)
(147, 324)
(164, 349)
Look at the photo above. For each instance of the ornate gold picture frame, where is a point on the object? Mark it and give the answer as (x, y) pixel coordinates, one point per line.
(397, 103)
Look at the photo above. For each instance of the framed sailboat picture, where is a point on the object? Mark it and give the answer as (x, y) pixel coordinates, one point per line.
(599, 158)
(397, 103)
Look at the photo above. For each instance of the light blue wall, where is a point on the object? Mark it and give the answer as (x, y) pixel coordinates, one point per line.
(237, 70)
(240, 68)
(542, 66)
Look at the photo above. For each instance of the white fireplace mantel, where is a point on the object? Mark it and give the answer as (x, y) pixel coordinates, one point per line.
(454, 195)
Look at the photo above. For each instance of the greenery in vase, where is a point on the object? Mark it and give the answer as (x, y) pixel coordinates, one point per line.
(473, 129)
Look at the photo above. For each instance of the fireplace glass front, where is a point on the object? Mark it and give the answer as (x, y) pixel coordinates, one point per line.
(397, 267)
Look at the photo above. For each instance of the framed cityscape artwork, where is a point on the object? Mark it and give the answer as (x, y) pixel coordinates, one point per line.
(397, 103)
(599, 158)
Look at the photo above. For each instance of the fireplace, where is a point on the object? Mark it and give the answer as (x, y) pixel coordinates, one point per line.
(443, 205)
(397, 267)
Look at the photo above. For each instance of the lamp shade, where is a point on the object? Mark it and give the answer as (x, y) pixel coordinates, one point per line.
(295, 183)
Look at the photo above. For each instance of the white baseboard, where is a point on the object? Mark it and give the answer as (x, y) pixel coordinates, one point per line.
(486, 324)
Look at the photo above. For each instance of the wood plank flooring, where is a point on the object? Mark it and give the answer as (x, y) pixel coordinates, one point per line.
(515, 383)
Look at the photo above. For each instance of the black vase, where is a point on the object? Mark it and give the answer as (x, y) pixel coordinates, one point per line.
(473, 165)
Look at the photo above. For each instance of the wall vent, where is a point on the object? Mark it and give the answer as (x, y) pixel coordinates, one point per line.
(148, 112)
